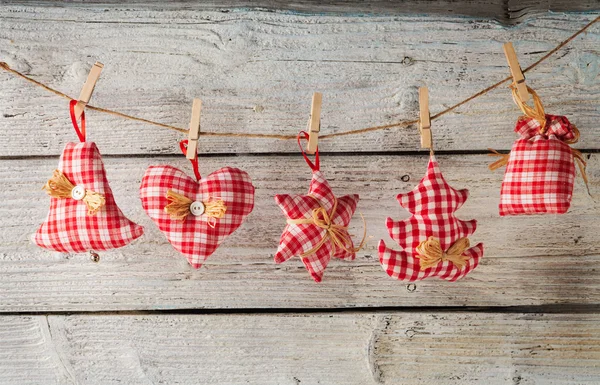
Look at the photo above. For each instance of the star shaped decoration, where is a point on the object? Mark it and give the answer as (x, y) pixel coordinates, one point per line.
(432, 204)
(313, 242)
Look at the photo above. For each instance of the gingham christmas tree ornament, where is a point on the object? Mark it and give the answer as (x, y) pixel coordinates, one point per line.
(196, 215)
(83, 214)
(433, 241)
(317, 224)
(540, 169)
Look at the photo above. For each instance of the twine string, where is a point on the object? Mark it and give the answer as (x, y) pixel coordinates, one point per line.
(405, 123)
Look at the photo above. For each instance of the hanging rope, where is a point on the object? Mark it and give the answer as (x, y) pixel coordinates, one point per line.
(405, 123)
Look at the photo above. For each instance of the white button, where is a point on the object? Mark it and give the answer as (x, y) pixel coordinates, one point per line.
(78, 193)
(197, 208)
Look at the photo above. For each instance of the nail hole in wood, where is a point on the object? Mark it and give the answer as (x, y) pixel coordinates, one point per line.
(407, 61)
(411, 287)
(405, 178)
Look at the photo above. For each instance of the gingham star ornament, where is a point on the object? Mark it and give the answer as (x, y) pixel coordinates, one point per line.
(432, 204)
(311, 242)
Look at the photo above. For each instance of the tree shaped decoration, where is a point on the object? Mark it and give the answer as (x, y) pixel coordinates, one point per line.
(434, 242)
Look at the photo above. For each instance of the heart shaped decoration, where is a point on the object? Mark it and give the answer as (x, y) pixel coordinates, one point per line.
(199, 231)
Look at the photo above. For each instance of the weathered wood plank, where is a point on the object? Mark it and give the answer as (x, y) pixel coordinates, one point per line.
(255, 72)
(528, 260)
(383, 348)
(489, 348)
(508, 12)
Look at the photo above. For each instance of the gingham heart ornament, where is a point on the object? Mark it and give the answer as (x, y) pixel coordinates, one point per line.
(197, 234)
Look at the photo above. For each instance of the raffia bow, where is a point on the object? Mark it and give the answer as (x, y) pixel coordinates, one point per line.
(60, 187)
(178, 208)
(337, 234)
(430, 253)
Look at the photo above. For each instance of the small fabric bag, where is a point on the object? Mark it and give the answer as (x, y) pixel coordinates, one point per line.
(540, 172)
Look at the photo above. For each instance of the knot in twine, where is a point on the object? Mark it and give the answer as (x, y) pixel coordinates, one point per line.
(178, 208)
(60, 187)
(337, 234)
(430, 253)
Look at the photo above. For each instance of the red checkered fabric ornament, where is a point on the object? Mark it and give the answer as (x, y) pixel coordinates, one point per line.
(540, 170)
(196, 215)
(433, 241)
(317, 224)
(83, 214)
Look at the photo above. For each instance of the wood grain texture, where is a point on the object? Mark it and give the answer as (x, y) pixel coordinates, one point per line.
(255, 72)
(528, 260)
(505, 11)
(350, 348)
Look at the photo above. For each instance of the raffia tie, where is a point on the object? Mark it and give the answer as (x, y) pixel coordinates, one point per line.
(578, 156)
(178, 208)
(60, 187)
(430, 253)
(337, 234)
(536, 112)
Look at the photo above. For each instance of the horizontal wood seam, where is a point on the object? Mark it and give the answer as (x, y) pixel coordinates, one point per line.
(549, 309)
(286, 154)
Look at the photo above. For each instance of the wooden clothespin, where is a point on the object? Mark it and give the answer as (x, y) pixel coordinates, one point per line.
(314, 125)
(424, 119)
(88, 89)
(515, 70)
(194, 132)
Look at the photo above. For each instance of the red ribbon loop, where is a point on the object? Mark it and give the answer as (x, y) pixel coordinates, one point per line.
(183, 145)
(80, 132)
(314, 166)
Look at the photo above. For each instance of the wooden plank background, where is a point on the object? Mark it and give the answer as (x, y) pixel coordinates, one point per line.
(527, 315)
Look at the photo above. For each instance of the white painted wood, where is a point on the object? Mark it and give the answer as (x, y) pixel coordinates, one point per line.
(506, 11)
(255, 70)
(349, 348)
(489, 348)
(528, 260)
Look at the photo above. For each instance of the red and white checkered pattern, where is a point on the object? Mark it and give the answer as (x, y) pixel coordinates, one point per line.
(68, 227)
(297, 239)
(432, 203)
(540, 172)
(193, 236)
